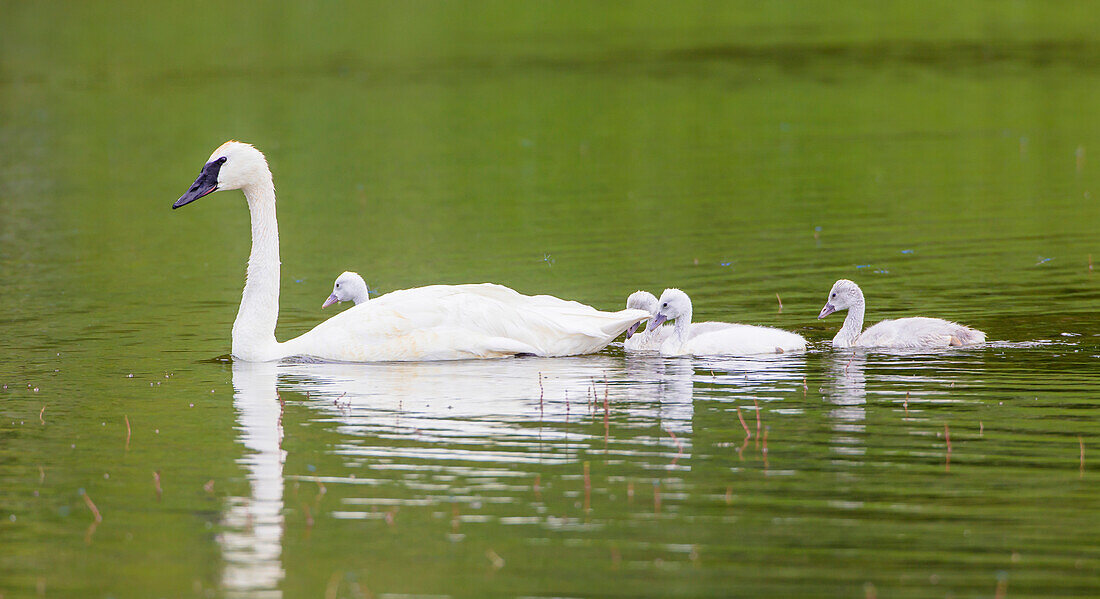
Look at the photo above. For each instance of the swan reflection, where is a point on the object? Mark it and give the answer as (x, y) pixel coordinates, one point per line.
(496, 412)
(476, 400)
(251, 543)
(483, 418)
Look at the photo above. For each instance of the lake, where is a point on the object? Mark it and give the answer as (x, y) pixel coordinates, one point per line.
(945, 157)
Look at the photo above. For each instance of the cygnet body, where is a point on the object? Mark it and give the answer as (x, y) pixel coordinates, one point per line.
(900, 333)
(349, 287)
(716, 338)
(651, 340)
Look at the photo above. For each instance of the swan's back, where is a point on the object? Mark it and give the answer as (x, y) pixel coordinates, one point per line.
(918, 332)
(728, 339)
(448, 322)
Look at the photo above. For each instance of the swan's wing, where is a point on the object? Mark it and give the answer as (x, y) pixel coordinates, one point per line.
(918, 332)
(443, 322)
(556, 327)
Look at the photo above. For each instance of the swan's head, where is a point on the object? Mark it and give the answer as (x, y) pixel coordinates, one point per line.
(234, 165)
(842, 296)
(640, 300)
(672, 305)
(349, 287)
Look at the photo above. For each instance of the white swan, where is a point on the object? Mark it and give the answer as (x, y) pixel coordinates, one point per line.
(349, 287)
(651, 340)
(911, 333)
(716, 338)
(647, 340)
(440, 322)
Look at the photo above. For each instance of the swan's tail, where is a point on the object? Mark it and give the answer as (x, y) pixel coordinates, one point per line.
(590, 330)
(967, 336)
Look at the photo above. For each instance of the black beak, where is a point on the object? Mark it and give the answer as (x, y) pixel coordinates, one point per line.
(207, 183)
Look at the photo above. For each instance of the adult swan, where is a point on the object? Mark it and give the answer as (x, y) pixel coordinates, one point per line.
(439, 322)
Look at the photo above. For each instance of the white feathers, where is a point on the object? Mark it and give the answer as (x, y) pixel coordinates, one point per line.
(716, 338)
(447, 322)
(349, 287)
(902, 333)
(441, 322)
(645, 340)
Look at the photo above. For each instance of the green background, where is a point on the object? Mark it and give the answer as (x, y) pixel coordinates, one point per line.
(942, 154)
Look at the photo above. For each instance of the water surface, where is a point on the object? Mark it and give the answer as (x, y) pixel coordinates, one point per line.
(944, 160)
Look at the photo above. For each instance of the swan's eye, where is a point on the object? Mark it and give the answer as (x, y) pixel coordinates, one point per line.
(833, 295)
(664, 305)
(222, 160)
(337, 285)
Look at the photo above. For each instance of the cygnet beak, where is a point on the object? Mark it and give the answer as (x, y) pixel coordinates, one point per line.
(827, 310)
(656, 322)
(206, 184)
(633, 329)
(332, 299)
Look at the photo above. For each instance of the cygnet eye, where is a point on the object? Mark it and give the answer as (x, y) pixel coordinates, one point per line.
(337, 285)
(833, 295)
(664, 305)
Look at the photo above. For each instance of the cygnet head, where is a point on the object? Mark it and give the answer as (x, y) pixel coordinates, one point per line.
(842, 296)
(672, 305)
(234, 165)
(640, 300)
(349, 287)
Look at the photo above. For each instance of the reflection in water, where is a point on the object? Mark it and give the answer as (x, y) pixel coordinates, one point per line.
(755, 377)
(846, 388)
(743, 389)
(955, 219)
(252, 542)
(466, 435)
(497, 412)
(667, 385)
(929, 377)
(478, 400)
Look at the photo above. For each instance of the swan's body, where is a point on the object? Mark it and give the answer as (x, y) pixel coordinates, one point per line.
(440, 322)
(902, 333)
(716, 338)
(349, 287)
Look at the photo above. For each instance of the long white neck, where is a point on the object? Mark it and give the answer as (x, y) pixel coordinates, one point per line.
(683, 324)
(254, 329)
(853, 325)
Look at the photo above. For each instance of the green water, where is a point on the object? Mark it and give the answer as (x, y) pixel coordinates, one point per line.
(944, 156)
